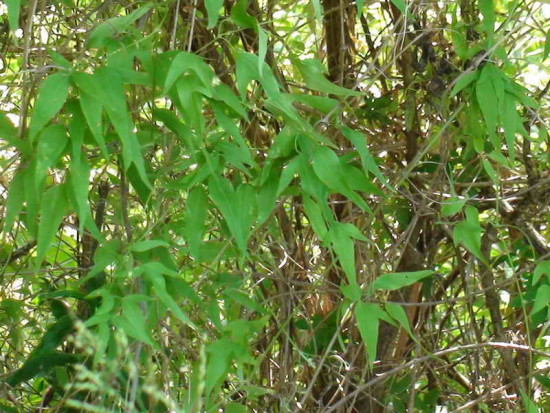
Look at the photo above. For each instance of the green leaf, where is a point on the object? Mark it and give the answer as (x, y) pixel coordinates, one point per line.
(219, 359)
(196, 209)
(487, 99)
(267, 196)
(235, 408)
(79, 175)
(366, 315)
(463, 81)
(247, 70)
(397, 280)
(16, 197)
(315, 216)
(147, 245)
(530, 406)
(156, 278)
(51, 144)
(114, 101)
(317, 10)
(39, 366)
(397, 312)
(368, 162)
(8, 132)
(244, 300)
(240, 16)
(342, 244)
(93, 112)
(59, 59)
(52, 212)
(352, 292)
(115, 26)
(402, 6)
(224, 93)
(330, 171)
(188, 61)
(236, 207)
(490, 171)
(262, 48)
(511, 122)
(52, 95)
(452, 206)
(546, 51)
(542, 298)
(14, 7)
(133, 321)
(487, 9)
(468, 233)
(312, 71)
(359, 4)
(213, 10)
(542, 268)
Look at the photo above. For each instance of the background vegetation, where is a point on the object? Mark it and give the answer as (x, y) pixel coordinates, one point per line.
(274, 206)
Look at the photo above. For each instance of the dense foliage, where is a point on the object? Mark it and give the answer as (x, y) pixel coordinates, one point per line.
(274, 206)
